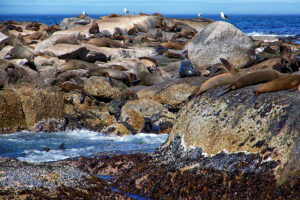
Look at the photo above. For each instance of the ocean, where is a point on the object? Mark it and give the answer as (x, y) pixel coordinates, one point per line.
(275, 25)
(44, 147)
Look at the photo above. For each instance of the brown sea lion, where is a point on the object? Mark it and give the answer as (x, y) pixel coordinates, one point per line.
(252, 78)
(284, 82)
(76, 64)
(173, 45)
(113, 15)
(81, 16)
(149, 79)
(110, 73)
(105, 42)
(68, 86)
(219, 80)
(67, 40)
(94, 28)
(157, 14)
(151, 63)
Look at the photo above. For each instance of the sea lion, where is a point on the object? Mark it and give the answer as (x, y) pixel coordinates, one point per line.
(173, 45)
(67, 40)
(219, 80)
(113, 15)
(94, 28)
(68, 86)
(252, 78)
(148, 79)
(158, 34)
(151, 63)
(186, 68)
(105, 42)
(284, 82)
(110, 73)
(76, 64)
(149, 126)
(21, 52)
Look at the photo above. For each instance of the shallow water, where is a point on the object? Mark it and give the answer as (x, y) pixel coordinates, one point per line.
(30, 147)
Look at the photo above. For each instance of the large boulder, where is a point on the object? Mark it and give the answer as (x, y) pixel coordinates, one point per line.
(39, 103)
(99, 86)
(12, 118)
(219, 40)
(135, 111)
(238, 121)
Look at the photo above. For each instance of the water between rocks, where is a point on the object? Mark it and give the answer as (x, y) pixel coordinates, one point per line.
(45, 147)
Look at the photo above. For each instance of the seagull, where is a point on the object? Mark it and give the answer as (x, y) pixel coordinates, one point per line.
(223, 16)
(84, 13)
(126, 11)
(199, 15)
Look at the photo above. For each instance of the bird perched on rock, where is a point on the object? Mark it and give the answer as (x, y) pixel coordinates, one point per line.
(223, 16)
(126, 11)
(186, 67)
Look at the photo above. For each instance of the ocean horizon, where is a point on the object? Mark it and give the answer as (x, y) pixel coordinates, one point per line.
(251, 24)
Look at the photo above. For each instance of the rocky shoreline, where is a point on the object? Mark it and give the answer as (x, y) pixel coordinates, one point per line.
(124, 74)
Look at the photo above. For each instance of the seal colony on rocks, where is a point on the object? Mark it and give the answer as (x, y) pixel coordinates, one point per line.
(120, 74)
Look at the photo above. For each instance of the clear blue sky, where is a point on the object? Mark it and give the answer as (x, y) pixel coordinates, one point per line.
(150, 6)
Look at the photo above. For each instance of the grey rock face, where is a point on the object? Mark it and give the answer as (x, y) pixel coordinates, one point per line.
(266, 125)
(219, 40)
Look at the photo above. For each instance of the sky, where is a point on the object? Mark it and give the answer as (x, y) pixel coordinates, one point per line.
(150, 6)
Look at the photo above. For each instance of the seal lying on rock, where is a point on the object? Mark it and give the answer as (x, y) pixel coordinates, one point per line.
(284, 82)
(186, 67)
(105, 42)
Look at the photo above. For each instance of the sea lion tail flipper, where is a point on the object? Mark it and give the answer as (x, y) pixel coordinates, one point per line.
(194, 94)
(108, 58)
(228, 65)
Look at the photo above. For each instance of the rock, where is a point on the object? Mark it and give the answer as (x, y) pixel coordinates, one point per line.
(135, 111)
(5, 50)
(52, 40)
(73, 22)
(39, 103)
(117, 129)
(240, 122)
(100, 87)
(176, 92)
(12, 118)
(219, 40)
(3, 38)
(3, 76)
(23, 74)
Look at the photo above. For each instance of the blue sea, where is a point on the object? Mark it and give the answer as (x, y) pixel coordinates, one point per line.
(276, 25)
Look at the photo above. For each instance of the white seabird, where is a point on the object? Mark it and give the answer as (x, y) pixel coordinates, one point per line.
(199, 15)
(84, 13)
(126, 11)
(223, 16)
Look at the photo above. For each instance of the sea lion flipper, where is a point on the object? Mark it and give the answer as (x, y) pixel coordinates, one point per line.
(109, 80)
(228, 65)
